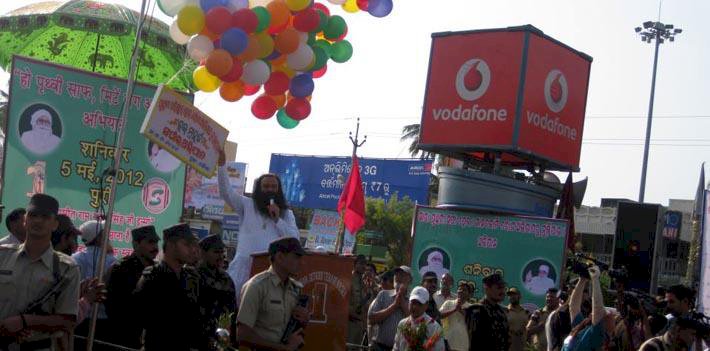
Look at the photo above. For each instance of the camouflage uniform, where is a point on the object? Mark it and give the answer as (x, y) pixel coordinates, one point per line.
(217, 298)
(488, 326)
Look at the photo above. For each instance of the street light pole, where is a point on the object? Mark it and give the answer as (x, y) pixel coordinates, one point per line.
(659, 32)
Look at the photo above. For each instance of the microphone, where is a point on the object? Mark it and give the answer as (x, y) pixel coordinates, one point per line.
(272, 213)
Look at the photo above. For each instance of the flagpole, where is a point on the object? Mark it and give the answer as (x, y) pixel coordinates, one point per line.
(339, 241)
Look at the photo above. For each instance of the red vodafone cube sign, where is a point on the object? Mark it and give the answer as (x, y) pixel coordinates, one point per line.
(514, 91)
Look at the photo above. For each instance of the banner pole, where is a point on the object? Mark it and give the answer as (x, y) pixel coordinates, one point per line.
(116, 164)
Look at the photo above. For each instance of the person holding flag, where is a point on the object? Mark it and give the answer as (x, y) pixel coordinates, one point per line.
(265, 217)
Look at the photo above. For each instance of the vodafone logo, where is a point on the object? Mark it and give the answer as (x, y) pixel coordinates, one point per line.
(473, 79)
(556, 91)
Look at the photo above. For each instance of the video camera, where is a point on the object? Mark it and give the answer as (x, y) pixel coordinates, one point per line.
(702, 324)
(580, 264)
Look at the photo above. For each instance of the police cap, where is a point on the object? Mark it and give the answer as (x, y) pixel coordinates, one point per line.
(43, 204)
(144, 232)
(212, 242)
(286, 245)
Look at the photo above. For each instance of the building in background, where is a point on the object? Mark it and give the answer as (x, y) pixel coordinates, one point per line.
(596, 228)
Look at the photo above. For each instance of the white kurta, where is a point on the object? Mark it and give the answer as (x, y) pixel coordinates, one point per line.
(255, 231)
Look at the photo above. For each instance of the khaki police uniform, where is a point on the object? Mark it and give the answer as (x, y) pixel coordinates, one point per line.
(23, 281)
(267, 304)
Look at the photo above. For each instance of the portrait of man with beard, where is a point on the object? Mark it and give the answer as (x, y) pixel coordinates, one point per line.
(40, 129)
(264, 217)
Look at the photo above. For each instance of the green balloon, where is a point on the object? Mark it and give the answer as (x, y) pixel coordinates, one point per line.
(323, 21)
(264, 17)
(311, 39)
(321, 58)
(325, 45)
(335, 28)
(284, 120)
(341, 51)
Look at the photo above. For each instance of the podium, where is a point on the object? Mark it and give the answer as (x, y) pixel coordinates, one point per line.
(326, 280)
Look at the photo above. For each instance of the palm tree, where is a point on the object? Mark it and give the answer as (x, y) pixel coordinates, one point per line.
(411, 132)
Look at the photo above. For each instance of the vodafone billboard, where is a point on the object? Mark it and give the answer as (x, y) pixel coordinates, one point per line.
(514, 91)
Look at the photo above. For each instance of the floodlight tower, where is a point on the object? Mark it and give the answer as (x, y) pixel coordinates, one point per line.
(658, 32)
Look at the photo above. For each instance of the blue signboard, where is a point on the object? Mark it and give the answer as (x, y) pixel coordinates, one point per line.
(316, 182)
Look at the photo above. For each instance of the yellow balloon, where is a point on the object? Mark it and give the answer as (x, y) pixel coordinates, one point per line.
(350, 6)
(191, 20)
(285, 69)
(298, 5)
(266, 44)
(204, 80)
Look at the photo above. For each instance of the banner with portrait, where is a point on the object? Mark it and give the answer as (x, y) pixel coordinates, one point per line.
(527, 251)
(62, 127)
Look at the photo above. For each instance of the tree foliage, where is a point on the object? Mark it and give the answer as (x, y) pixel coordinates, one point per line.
(392, 218)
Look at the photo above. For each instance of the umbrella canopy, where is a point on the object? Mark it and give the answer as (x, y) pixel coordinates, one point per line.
(94, 36)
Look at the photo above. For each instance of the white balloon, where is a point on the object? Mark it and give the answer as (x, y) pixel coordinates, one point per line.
(301, 58)
(199, 47)
(234, 5)
(172, 7)
(178, 36)
(255, 3)
(337, 2)
(256, 73)
(303, 37)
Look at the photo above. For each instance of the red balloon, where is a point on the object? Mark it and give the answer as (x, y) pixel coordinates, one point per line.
(362, 4)
(218, 19)
(235, 73)
(263, 107)
(277, 84)
(306, 20)
(320, 72)
(246, 20)
(250, 90)
(319, 6)
(298, 108)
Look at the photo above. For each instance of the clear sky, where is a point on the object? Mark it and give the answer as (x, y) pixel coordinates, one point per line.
(383, 84)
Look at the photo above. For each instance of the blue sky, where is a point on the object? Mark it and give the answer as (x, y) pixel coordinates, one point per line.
(383, 84)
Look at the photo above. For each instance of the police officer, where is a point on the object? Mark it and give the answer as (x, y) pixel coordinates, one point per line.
(39, 287)
(217, 293)
(269, 300)
(121, 282)
(166, 295)
(358, 299)
(487, 320)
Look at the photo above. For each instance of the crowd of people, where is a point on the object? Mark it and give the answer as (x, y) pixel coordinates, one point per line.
(573, 318)
(176, 293)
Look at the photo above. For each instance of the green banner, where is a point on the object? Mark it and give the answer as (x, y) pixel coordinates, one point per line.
(62, 129)
(527, 251)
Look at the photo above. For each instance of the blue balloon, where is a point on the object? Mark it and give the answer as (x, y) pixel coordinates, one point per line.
(379, 8)
(206, 5)
(234, 40)
(301, 86)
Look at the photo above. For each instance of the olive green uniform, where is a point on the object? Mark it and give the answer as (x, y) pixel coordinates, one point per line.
(267, 304)
(23, 281)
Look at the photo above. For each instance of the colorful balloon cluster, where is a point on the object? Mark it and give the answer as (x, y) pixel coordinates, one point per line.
(282, 45)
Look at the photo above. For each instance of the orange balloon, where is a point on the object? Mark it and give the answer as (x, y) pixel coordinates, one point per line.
(232, 91)
(219, 62)
(209, 34)
(252, 51)
(280, 14)
(287, 41)
(280, 100)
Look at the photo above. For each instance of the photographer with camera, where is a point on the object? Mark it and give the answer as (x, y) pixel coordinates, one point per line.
(588, 329)
(633, 328)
